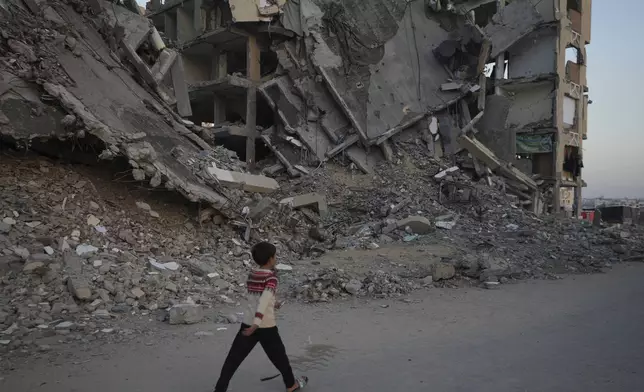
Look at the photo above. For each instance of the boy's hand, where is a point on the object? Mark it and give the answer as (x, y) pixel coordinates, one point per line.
(250, 330)
(279, 304)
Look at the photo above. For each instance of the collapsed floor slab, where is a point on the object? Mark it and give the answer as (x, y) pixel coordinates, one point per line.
(106, 101)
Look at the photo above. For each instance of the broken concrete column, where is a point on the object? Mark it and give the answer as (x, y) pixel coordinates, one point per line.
(309, 199)
(166, 60)
(247, 182)
(181, 88)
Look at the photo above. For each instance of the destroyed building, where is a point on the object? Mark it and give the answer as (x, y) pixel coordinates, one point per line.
(294, 84)
(350, 80)
(322, 126)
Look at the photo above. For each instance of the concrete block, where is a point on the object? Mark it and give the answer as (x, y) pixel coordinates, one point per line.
(166, 60)
(308, 199)
(79, 288)
(247, 182)
(181, 88)
(185, 314)
(418, 224)
(451, 86)
(445, 172)
(262, 208)
(443, 271)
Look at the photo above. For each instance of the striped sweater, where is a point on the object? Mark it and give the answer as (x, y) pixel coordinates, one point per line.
(262, 287)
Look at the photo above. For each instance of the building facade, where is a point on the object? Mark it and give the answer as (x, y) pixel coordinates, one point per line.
(545, 80)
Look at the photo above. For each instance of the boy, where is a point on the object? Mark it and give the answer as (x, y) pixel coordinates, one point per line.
(259, 323)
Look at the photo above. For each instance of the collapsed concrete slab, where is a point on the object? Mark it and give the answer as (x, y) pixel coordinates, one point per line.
(310, 199)
(106, 103)
(514, 22)
(380, 91)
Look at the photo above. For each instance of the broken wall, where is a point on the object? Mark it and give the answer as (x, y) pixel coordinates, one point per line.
(534, 55)
(388, 72)
(196, 68)
(532, 106)
(407, 79)
(492, 128)
(547, 8)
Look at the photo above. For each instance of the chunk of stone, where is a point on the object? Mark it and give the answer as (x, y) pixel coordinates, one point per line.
(80, 288)
(310, 199)
(199, 268)
(245, 181)
(283, 267)
(137, 293)
(22, 252)
(34, 267)
(262, 208)
(85, 249)
(353, 287)
(127, 236)
(143, 206)
(65, 325)
(443, 271)
(417, 224)
(441, 175)
(185, 314)
(619, 249)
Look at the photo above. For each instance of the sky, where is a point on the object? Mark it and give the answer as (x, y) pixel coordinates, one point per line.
(613, 154)
(614, 150)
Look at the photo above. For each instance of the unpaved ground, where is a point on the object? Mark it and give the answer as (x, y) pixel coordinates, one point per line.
(583, 333)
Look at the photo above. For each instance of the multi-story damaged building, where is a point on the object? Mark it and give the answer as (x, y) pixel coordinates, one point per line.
(494, 87)
(336, 78)
(545, 81)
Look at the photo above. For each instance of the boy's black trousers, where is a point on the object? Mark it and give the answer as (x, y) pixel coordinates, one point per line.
(272, 344)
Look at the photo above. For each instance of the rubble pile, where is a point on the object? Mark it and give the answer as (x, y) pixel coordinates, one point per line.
(364, 152)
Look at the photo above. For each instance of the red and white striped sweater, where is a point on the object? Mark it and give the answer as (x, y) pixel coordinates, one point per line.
(262, 287)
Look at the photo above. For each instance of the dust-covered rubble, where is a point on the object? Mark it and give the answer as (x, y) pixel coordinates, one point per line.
(103, 251)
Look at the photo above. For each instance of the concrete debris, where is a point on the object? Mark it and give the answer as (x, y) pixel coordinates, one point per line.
(247, 182)
(185, 314)
(80, 288)
(513, 22)
(416, 224)
(283, 267)
(443, 271)
(361, 153)
(85, 249)
(170, 266)
(310, 199)
(443, 174)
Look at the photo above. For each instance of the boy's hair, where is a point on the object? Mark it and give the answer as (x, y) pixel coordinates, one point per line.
(262, 252)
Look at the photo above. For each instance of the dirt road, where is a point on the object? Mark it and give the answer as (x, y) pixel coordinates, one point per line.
(583, 333)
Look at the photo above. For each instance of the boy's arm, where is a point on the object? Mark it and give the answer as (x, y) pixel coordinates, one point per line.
(268, 296)
(264, 301)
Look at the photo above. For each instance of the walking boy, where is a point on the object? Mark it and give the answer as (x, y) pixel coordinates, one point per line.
(259, 323)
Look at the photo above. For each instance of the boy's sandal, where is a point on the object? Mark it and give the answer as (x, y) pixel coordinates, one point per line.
(301, 382)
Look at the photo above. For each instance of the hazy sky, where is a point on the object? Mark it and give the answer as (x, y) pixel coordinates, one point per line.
(613, 155)
(614, 151)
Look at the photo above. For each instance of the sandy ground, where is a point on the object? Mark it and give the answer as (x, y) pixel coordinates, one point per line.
(583, 333)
